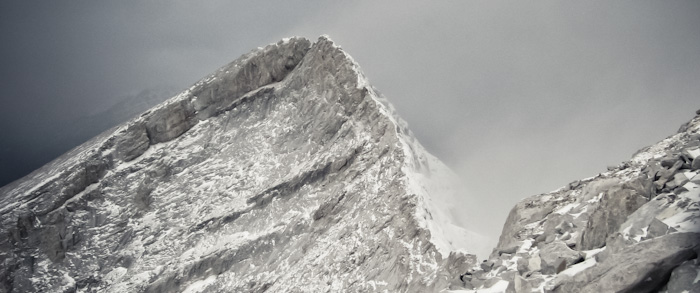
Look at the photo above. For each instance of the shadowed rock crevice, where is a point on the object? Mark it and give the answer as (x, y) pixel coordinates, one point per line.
(292, 186)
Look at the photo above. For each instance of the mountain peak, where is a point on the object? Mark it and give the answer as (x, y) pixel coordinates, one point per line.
(283, 170)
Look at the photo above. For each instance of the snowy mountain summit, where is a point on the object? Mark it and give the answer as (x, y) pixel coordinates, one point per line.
(283, 171)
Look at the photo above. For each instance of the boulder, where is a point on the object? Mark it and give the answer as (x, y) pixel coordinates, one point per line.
(521, 285)
(523, 264)
(456, 265)
(534, 263)
(512, 249)
(669, 162)
(645, 218)
(486, 265)
(535, 281)
(564, 227)
(677, 180)
(684, 278)
(696, 164)
(615, 205)
(690, 153)
(558, 223)
(664, 175)
(642, 267)
(557, 256)
(527, 211)
(656, 229)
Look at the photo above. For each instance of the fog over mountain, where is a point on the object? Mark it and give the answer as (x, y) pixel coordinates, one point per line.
(517, 98)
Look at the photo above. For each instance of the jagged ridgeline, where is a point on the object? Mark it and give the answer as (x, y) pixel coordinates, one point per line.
(283, 171)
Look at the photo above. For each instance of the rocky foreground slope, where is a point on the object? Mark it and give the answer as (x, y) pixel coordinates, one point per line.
(284, 171)
(634, 228)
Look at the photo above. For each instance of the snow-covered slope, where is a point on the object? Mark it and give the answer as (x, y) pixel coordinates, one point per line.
(284, 171)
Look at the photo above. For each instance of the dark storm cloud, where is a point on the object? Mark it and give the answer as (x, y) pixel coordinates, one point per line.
(518, 97)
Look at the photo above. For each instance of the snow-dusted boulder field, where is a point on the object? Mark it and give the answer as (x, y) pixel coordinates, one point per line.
(634, 228)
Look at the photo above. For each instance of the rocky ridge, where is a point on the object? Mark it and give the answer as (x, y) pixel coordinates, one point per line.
(283, 171)
(634, 228)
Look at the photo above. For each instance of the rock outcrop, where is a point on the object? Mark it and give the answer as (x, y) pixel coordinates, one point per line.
(284, 171)
(634, 228)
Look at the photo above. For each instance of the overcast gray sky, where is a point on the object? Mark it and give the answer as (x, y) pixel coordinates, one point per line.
(518, 97)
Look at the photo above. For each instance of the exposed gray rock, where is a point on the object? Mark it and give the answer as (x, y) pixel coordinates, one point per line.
(523, 264)
(616, 204)
(511, 249)
(656, 229)
(642, 267)
(557, 256)
(684, 278)
(527, 211)
(519, 285)
(535, 263)
(132, 142)
(486, 265)
(678, 180)
(669, 162)
(170, 121)
(664, 175)
(456, 264)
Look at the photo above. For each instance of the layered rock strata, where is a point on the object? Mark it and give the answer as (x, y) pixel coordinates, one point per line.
(284, 171)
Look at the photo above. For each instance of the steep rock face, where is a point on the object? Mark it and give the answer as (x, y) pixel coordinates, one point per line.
(634, 228)
(283, 171)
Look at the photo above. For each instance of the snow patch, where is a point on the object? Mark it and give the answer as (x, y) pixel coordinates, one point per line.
(596, 198)
(566, 208)
(115, 275)
(591, 253)
(499, 287)
(200, 285)
(579, 267)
